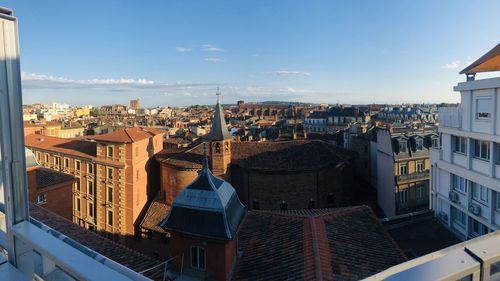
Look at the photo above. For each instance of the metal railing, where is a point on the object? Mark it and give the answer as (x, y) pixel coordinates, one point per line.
(450, 117)
(413, 176)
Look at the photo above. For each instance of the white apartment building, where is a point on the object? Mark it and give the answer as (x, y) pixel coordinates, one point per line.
(465, 170)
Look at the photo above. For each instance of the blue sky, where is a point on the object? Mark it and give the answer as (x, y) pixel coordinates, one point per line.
(177, 52)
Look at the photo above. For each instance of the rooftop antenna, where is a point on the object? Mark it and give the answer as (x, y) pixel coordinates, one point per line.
(218, 93)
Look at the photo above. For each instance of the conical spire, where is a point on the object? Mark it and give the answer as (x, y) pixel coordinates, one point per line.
(219, 128)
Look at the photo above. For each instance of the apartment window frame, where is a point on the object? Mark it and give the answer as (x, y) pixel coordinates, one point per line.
(459, 183)
(78, 165)
(403, 196)
(419, 143)
(403, 145)
(480, 193)
(66, 162)
(498, 202)
(41, 198)
(90, 187)
(46, 158)
(90, 168)
(484, 107)
(482, 150)
(109, 173)
(109, 194)
(78, 184)
(109, 151)
(109, 217)
(198, 258)
(420, 192)
(478, 228)
(57, 162)
(460, 145)
(78, 204)
(420, 166)
(459, 217)
(403, 169)
(90, 209)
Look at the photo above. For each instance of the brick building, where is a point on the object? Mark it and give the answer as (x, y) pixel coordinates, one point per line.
(114, 175)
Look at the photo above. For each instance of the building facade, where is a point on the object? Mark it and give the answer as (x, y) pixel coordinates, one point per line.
(465, 173)
(403, 170)
(111, 171)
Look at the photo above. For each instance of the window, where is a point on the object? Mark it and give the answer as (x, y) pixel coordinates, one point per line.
(458, 183)
(256, 205)
(420, 192)
(420, 166)
(479, 228)
(403, 196)
(460, 144)
(46, 158)
(484, 108)
(497, 149)
(420, 144)
(479, 192)
(330, 198)
(459, 217)
(90, 187)
(435, 142)
(90, 209)
(109, 152)
(109, 218)
(77, 165)
(66, 163)
(38, 156)
(283, 206)
(109, 173)
(77, 184)
(90, 168)
(217, 148)
(498, 201)
(482, 149)
(109, 194)
(78, 203)
(403, 169)
(402, 146)
(57, 161)
(41, 198)
(198, 258)
(311, 204)
(495, 271)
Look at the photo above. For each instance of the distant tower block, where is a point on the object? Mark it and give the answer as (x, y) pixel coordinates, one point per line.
(135, 104)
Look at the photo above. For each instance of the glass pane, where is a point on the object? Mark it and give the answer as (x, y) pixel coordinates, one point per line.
(495, 271)
(194, 257)
(201, 257)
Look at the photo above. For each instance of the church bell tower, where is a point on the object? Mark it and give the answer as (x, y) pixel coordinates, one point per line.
(220, 143)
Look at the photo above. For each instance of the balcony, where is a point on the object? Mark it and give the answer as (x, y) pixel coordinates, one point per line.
(450, 117)
(413, 176)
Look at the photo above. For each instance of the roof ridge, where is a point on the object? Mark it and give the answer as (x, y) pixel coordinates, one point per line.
(132, 140)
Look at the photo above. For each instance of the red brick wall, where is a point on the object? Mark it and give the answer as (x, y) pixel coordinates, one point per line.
(219, 254)
(173, 181)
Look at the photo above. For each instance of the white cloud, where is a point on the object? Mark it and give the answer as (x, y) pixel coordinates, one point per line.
(212, 48)
(98, 81)
(183, 50)
(213, 60)
(288, 73)
(452, 65)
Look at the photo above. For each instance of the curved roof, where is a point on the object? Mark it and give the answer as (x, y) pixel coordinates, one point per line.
(219, 128)
(207, 207)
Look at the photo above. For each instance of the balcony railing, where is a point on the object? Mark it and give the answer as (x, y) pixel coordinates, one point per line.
(450, 117)
(413, 176)
(477, 259)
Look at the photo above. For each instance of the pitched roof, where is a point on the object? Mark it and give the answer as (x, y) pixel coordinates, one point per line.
(114, 251)
(128, 135)
(271, 156)
(488, 62)
(345, 244)
(207, 207)
(47, 178)
(219, 128)
(154, 216)
(75, 147)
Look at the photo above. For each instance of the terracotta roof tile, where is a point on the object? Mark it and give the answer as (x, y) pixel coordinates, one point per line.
(156, 213)
(114, 251)
(340, 244)
(47, 178)
(128, 135)
(75, 147)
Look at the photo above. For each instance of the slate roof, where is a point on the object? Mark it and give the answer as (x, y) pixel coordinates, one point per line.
(345, 244)
(271, 156)
(219, 128)
(207, 207)
(112, 250)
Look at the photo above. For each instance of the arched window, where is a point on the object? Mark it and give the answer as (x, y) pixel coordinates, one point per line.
(217, 148)
(226, 147)
(198, 258)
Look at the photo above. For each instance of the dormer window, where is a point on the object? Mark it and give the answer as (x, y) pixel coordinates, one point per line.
(420, 144)
(402, 146)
